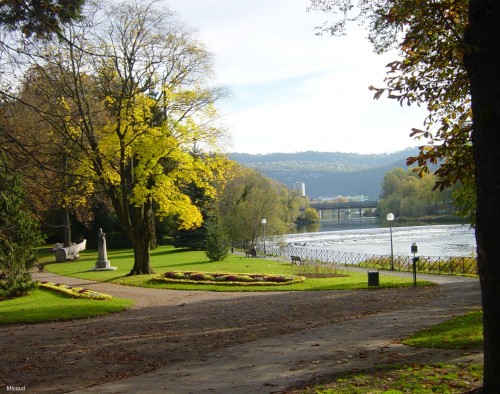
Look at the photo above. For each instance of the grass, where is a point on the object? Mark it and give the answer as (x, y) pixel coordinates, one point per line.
(463, 332)
(395, 379)
(167, 258)
(44, 305)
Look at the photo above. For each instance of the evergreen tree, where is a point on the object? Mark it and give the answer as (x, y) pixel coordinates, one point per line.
(218, 243)
(19, 235)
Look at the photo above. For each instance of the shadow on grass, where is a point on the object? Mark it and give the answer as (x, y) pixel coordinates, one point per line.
(170, 265)
(157, 252)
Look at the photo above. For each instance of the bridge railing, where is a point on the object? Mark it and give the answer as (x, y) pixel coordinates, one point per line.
(465, 266)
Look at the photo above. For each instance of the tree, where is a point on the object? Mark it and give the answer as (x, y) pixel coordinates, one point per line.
(19, 235)
(450, 61)
(482, 61)
(41, 18)
(250, 197)
(406, 194)
(131, 93)
(429, 71)
(47, 161)
(218, 242)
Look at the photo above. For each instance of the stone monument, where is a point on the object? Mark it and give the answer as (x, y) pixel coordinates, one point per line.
(102, 263)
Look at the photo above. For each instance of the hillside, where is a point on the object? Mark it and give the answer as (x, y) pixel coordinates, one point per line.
(328, 174)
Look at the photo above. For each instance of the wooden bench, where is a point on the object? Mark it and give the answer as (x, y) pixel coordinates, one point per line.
(296, 259)
(41, 267)
(250, 253)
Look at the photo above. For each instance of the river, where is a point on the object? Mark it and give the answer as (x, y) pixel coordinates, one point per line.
(373, 236)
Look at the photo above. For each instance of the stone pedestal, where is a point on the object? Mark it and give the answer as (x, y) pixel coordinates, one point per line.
(102, 263)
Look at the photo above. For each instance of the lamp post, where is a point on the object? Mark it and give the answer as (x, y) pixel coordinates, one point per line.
(390, 218)
(264, 221)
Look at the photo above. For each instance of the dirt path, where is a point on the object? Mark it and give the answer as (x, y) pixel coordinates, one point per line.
(200, 342)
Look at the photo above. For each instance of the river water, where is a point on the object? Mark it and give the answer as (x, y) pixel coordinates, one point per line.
(373, 236)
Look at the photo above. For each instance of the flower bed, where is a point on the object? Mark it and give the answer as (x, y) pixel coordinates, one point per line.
(227, 279)
(76, 292)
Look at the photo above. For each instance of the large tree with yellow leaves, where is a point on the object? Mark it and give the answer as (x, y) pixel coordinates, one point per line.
(128, 90)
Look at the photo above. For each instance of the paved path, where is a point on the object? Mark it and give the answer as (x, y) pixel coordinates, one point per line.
(272, 365)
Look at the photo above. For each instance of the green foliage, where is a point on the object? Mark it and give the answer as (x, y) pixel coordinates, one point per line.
(464, 199)
(310, 216)
(19, 235)
(218, 242)
(40, 18)
(250, 197)
(406, 194)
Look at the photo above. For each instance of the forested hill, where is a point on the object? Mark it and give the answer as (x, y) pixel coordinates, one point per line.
(328, 174)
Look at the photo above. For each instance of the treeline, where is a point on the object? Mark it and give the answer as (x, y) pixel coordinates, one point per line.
(327, 174)
(406, 194)
(349, 161)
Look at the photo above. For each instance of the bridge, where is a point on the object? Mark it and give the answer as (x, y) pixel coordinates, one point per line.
(360, 205)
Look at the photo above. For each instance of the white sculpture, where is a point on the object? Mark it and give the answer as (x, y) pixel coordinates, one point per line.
(70, 253)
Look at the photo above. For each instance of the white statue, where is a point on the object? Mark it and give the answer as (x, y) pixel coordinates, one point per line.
(70, 253)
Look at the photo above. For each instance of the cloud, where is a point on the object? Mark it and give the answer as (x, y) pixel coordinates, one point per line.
(292, 90)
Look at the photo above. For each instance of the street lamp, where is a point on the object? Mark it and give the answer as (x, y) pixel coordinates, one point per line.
(390, 218)
(264, 221)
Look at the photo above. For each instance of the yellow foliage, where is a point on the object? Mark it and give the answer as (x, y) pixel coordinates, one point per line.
(159, 158)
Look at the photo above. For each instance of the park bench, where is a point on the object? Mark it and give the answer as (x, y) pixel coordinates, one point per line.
(251, 253)
(296, 259)
(41, 267)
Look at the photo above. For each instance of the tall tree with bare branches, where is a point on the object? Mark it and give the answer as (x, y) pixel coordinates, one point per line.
(129, 91)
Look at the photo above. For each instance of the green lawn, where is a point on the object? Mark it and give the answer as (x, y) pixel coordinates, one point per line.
(463, 332)
(167, 258)
(44, 305)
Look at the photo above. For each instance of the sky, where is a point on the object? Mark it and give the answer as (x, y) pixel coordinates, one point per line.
(294, 91)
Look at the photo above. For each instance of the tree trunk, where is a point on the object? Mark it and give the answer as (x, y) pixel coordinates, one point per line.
(142, 261)
(483, 65)
(141, 236)
(66, 228)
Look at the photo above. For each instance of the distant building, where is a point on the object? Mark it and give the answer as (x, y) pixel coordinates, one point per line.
(301, 188)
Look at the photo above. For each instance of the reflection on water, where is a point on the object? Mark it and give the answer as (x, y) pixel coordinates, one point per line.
(343, 224)
(373, 236)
